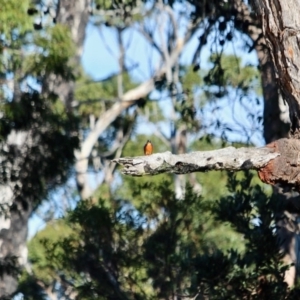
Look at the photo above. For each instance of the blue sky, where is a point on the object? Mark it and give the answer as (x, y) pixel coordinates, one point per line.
(100, 60)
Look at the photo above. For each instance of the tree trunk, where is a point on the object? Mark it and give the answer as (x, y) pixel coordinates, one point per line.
(19, 162)
(276, 71)
(276, 125)
(280, 24)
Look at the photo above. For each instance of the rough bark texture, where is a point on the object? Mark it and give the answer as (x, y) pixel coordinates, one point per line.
(285, 169)
(277, 163)
(281, 27)
(14, 216)
(15, 190)
(280, 24)
(224, 159)
(276, 124)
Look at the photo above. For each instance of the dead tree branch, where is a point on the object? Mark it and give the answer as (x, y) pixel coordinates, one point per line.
(223, 159)
(277, 163)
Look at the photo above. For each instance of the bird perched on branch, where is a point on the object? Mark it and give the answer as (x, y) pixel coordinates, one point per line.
(148, 148)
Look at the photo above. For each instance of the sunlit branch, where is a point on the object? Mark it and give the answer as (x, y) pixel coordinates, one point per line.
(201, 161)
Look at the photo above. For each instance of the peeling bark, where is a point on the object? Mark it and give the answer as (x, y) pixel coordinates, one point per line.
(281, 27)
(285, 169)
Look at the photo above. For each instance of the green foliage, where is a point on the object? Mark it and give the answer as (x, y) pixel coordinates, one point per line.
(190, 79)
(122, 13)
(14, 20)
(181, 235)
(15, 27)
(164, 247)
(38, 252)
(228, 72)
(54, 48)
(152, 111)
(258, 272)
(42, 270)
(24, 52)
(95, 97)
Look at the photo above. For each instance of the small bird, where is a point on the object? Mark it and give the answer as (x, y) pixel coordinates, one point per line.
(148, 148)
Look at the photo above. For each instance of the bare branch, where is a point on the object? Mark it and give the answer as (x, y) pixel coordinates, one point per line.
(170, 12)
(148, 36)
(223, 159)
(164, 47)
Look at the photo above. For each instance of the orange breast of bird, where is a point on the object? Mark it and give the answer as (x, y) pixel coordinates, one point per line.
(148, 148)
